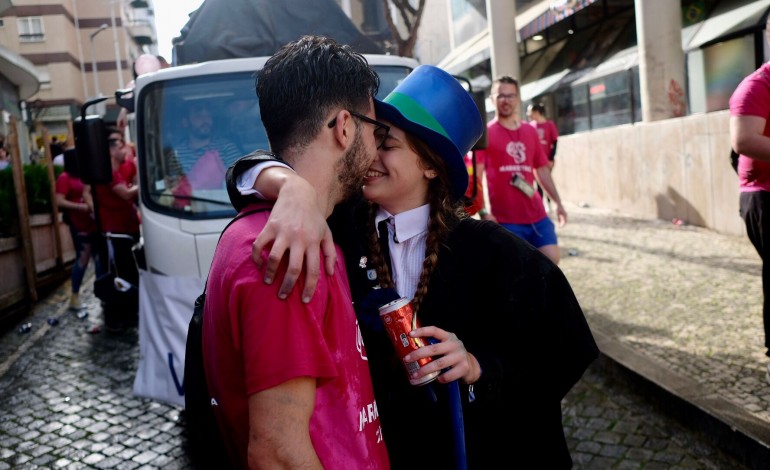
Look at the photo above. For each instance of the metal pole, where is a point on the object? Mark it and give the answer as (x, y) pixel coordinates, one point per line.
(80, 49)
(97, 92)
(118, 61)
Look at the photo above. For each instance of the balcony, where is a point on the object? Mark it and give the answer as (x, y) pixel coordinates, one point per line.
(142, 32)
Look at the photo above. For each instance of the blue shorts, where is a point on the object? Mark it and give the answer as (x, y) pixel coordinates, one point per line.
(541, 233)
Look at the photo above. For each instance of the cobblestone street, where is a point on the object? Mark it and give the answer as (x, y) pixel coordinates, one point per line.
(66, 392)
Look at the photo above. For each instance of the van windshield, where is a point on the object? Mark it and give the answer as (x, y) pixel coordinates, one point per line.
(192, 129)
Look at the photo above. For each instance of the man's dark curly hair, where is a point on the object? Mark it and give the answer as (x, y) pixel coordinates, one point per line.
(303, 82)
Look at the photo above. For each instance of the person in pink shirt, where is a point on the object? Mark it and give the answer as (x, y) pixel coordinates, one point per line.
(513, 160)
(750, 138)
(69, 198)
(290, 380)
(117, 218)
(548, 134)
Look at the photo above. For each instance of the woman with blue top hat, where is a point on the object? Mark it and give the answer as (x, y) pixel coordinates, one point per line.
(499, 319)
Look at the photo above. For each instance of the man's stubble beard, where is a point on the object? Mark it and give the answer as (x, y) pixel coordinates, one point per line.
(352, 168)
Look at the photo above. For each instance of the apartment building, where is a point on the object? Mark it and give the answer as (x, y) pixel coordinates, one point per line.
(80, 49)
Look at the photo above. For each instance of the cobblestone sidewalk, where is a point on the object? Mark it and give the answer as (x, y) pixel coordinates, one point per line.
(686, 299)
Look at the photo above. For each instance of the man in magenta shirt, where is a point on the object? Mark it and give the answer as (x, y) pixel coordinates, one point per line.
(511, 162)
(289, 380)
(750, 137)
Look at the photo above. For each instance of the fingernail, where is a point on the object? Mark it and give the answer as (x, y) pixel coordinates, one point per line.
(268, 280)
(408, 358)
(282, 296)
(306, 299)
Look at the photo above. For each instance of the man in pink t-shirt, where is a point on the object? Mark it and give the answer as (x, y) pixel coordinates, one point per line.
(289, 379)
(750, 137)
(511, 163)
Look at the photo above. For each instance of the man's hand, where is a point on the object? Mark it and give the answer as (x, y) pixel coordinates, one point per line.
(296, 224)
(562, 214)
(543, 175)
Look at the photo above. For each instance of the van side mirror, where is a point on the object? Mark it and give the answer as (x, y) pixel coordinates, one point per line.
(92, 148)
(125, 98)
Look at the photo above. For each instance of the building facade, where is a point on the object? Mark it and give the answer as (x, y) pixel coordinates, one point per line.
(639, 91)
(80, 50)
(582, 58)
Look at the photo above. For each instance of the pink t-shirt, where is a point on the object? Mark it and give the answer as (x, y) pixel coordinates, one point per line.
(116, 215)
(752, 98)
(547, 133)
(253, 341)
(512, 152)
(72, 189)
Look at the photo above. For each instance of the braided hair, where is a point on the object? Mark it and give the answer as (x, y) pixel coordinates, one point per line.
(445, 211)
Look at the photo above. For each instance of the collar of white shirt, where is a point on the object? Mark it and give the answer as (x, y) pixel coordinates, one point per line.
(406, 224)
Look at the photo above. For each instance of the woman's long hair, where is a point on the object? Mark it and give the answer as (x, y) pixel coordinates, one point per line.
(444, 213)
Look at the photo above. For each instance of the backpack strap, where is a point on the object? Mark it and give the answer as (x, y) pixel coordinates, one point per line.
(237, 217)
(207, 445)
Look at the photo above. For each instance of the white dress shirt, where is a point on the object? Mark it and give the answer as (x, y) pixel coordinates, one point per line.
(407, 254)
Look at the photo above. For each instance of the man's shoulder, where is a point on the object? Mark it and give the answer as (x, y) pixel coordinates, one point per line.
(752, 95)
(236, 239)
(528, 130)
(761, 75)
(222, 142)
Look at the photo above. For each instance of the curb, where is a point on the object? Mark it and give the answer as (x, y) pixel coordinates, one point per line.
(735, 430)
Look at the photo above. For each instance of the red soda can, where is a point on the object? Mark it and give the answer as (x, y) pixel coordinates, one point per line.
(397, 316)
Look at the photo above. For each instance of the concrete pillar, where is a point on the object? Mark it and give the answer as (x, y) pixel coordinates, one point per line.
(661, 59)
(504, 47)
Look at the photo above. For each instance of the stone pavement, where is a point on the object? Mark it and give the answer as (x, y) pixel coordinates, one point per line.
(678, 306)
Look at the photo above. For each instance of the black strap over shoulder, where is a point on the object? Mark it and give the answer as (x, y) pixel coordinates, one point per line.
(238, 200)
(237, 217)
(206, 443)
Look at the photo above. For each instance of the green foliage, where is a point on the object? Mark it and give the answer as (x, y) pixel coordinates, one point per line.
(38, 195)
(38, 189)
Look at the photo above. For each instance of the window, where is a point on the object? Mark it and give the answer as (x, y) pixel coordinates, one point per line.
(44, 75)
(611, 100)
(31, 29)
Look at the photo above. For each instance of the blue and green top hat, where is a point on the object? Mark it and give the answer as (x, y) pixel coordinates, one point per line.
(431, 105)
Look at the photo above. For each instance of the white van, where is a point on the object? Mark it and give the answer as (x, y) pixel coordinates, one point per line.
(182, 220)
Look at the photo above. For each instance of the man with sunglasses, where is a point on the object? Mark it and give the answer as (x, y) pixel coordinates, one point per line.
(289, 381)
(117, 214)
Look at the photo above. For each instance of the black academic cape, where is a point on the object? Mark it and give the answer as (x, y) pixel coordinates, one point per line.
(513, 309)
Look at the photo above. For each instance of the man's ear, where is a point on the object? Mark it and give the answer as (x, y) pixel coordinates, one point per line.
(343, 128)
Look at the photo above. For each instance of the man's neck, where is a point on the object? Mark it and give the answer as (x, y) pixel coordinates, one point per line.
(511, 122)
(194, 143)
(313, 168)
